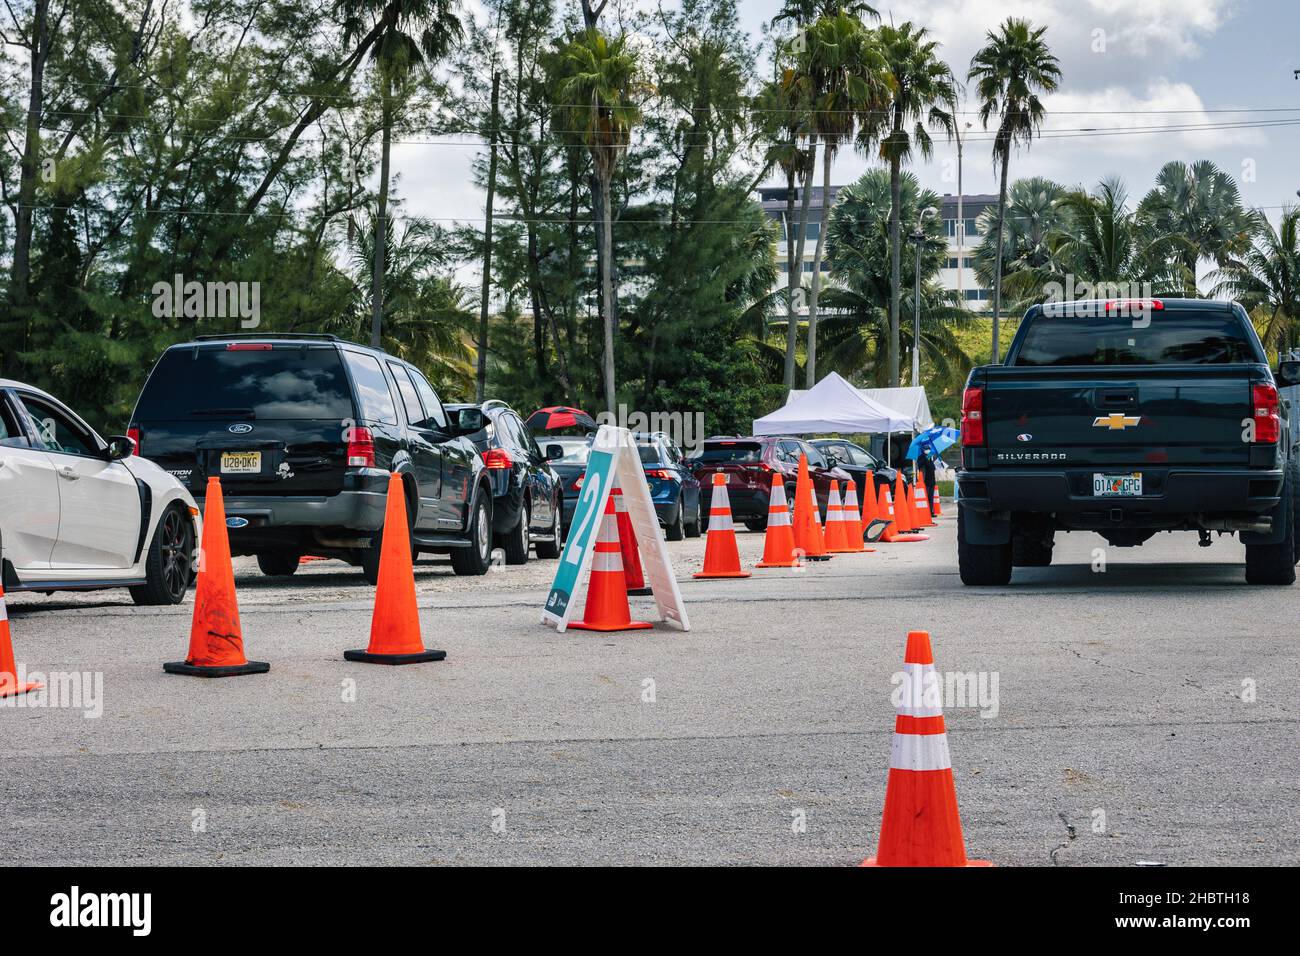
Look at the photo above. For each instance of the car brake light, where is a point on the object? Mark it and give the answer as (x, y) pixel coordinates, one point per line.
(577, 483)
(134, 435)
(1264, 411)
(658, 473)
(1134, 305)
(497, 458)
(249, 347)
(361, 448)
(972, 417)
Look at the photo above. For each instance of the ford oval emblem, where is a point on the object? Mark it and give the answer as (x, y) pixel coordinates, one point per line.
(1024, 437)
(236, 522)
(240, 428)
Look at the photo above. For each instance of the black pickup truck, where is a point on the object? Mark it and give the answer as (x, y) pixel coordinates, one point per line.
(1127, 417)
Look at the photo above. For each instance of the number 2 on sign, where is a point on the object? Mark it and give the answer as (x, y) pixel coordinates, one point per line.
(590, 492)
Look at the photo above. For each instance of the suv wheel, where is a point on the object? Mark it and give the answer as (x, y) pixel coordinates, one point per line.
(477, 558)
(277, 563)
(756, 524)
(1275, 563)
(1031, 546)
(695, 528)
(516, 543)
(554, 545)
(676, 531)
(167, 564)
(981, 565)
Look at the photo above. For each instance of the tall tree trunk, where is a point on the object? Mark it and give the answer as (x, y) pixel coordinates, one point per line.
(792, 331)
(480, 390)
(28, 171)
(997, 263)
(791, 279)
(607, 292)
(810, 371)
(381, 225)
(895, 265)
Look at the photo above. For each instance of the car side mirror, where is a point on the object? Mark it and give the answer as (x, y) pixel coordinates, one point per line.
(119, 447)
(1288, 373)
(554, 452)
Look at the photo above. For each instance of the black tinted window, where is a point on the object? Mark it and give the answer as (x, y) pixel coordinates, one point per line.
(372, 388)
(432, 404)
(279, 383)
(736, 452)
(414, 413)
(1173, 337)
(10, 434)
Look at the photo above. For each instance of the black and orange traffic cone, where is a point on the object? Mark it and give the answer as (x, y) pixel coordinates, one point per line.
(778, 544)
(216, 637)
(920, 825)
(395, 624)
(9, 683)
(607, 608)
(721, 555)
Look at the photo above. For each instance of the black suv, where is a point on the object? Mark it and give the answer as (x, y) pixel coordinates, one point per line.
(303, 431)
(525, 489)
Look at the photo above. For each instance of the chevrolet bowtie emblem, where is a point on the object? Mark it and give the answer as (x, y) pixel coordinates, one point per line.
(1115, 421)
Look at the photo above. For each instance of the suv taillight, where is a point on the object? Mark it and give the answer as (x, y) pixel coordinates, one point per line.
(972, 417)
(497, 458)
(134, 435)
(361, 447)
(1264, 410)
(658, 473)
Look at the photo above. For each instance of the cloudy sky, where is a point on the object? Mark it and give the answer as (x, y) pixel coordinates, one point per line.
(1127, 64)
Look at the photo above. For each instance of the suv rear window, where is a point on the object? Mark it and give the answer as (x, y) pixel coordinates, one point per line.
(735, 452)
(278, 383)
(1174, 337)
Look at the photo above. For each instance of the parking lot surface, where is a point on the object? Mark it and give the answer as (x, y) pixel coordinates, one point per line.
(1143, 714)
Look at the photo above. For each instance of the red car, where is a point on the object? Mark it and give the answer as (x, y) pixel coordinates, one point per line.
(750, 463)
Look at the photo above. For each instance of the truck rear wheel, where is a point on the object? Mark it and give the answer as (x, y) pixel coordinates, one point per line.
(1275, 563)
(1031, 545)
(981, 565)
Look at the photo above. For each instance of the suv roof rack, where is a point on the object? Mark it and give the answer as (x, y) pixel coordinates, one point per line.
(305, 336)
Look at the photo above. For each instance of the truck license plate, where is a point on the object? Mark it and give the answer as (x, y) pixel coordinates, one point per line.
(241, 462)
(1117, 486)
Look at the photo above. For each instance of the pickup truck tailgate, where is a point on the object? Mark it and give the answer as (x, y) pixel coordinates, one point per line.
(1189, 415)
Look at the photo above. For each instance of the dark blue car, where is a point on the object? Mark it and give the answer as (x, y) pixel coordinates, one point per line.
(674, 488)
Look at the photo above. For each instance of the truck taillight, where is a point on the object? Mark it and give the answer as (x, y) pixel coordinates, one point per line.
(498, 458)
(972, 417)
(361, 448)
(1264, 411)
(134, 435)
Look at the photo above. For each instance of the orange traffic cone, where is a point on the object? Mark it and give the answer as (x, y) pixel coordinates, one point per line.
(886, 511)
(721, 556)
(914, 513)
(632, 571)
(923, 503)
(9, 683)
(934, 501)
(875, 519)
(216, 638)
(808, 537)
(778, 545)
(607, 608)
(920, 825)
(837, 541)
(853, 520)
(901, 514)
(395, 623)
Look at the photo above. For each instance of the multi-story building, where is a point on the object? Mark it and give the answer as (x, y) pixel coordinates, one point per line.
(963, 237)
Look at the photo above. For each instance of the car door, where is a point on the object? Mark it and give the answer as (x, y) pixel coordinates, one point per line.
(456, 455)
(29, 494)
(99, 500)
(539, 493)
(426, 454)
(690, 484)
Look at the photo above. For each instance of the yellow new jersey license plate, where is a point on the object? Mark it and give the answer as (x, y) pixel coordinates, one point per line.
(241, 462)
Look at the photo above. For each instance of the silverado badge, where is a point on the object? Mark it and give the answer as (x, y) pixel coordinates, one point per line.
(1115, 421)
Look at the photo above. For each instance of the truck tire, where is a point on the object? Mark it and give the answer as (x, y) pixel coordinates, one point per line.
(1031, 547)
(1275, 563)
(981, 565)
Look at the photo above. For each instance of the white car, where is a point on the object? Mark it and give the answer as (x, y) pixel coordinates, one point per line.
(80, 513)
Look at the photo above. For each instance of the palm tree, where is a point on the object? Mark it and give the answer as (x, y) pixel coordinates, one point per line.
(1266, 279)
(803, 12)
(1202, 203)
(1010, 71)
(842, 73)
(856, 328)
(922, 96)
(1033, 213)
(594, 85)
(415, 33)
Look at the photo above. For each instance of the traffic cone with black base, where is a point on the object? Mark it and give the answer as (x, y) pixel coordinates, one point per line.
(778, 544)
(216, 637)
(607, 608)
(9, 685)
(632, 570)
(721, 555)
(395, 623)
(920, 825)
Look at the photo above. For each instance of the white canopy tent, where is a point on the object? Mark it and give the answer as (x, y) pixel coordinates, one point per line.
(910, 401)
(832, 405)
